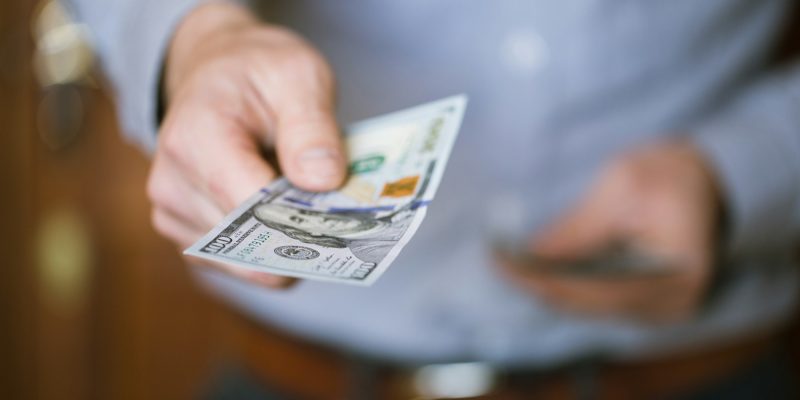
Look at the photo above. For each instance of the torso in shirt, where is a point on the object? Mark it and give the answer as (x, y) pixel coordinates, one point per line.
(556, 88)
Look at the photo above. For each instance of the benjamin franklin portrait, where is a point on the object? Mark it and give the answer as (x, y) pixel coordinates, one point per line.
(368, 237)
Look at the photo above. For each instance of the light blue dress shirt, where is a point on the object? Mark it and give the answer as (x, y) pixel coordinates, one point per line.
(556, 89)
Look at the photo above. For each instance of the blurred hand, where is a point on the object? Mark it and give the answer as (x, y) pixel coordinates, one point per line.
(236, 88)
(662, 201)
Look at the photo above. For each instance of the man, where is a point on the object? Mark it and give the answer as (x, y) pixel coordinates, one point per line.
(660, 125)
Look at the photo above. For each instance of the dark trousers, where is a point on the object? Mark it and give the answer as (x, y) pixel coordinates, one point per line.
(773, 376)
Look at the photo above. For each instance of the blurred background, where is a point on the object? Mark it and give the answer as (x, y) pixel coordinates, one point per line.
(94, 304)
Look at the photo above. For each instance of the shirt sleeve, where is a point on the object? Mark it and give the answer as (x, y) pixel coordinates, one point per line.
(754, 146)
(130, 38)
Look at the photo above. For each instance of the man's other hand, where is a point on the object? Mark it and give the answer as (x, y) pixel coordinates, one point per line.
(661, 200)
(235, 89)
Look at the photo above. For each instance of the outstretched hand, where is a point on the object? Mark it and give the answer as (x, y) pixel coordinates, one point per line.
(236, 88)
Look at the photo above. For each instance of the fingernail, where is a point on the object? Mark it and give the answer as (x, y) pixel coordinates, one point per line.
(320, 164)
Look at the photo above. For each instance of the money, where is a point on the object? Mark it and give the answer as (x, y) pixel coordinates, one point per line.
(353, 234)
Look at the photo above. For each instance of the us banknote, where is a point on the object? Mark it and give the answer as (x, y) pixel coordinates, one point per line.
(353, 234)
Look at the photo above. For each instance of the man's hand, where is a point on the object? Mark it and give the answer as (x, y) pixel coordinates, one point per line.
(662, 201)
(236, 88)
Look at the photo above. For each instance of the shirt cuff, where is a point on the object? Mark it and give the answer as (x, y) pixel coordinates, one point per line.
(758, 169)
(161, 23)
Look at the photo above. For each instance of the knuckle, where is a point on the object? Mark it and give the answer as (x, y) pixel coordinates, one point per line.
(215, 184)
(156, 189)
(278, 47)
(629, 176)
(171, 145)
(625, 172)
(308, 64)
(215, 188)
(160, 222)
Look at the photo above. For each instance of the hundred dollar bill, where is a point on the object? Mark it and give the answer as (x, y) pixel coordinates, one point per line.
(350, 235)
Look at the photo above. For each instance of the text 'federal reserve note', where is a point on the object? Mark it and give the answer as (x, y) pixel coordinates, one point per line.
(353, 234)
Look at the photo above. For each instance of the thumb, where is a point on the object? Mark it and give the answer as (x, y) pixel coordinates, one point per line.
(309, 146)
(586, 229)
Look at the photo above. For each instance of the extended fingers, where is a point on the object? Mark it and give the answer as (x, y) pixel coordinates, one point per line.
(215, 153)
(645, 298)
(172, 192)
(260, 278)
(585, 229)
(181, 232)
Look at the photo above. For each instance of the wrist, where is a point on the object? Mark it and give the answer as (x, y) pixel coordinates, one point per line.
(708, 175)
(205, 24)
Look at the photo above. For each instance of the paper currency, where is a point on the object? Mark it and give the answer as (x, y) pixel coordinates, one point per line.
(351, 235)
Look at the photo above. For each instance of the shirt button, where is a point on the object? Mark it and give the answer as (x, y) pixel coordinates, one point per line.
(524, 51)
